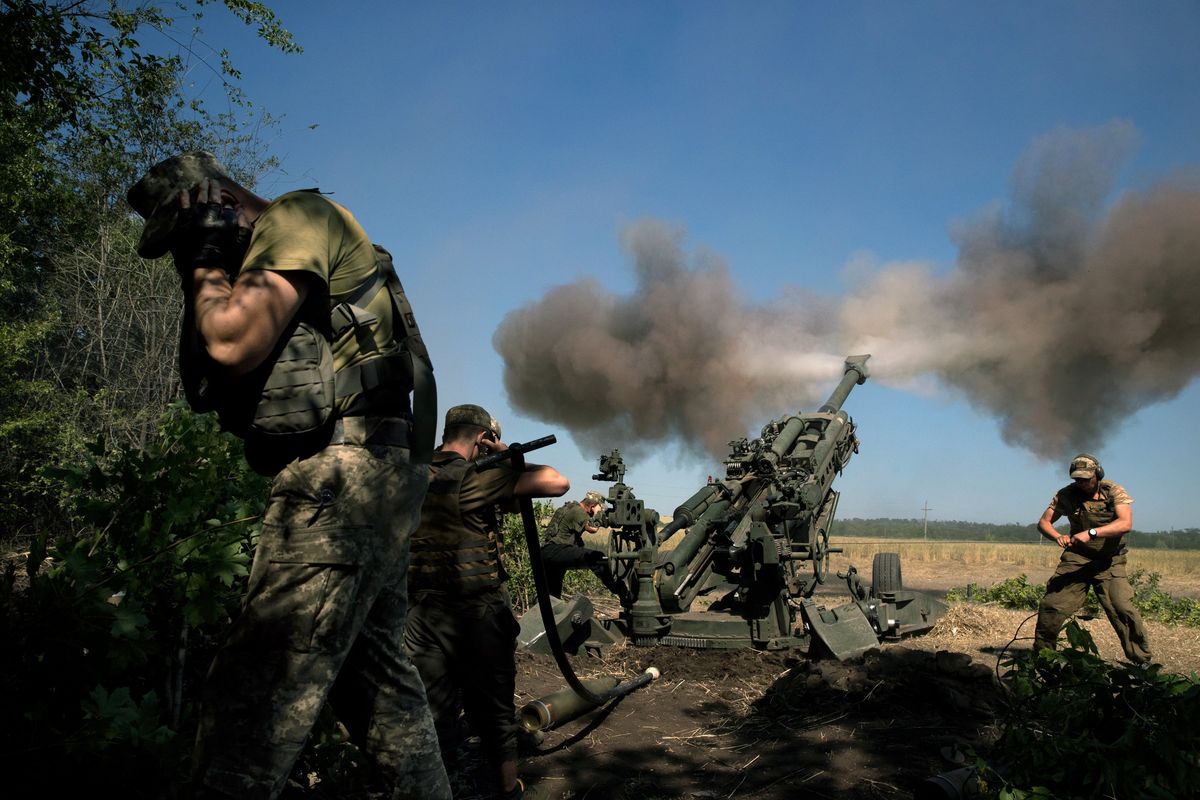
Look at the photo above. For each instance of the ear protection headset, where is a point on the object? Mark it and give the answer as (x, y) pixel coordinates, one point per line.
(1099, 469)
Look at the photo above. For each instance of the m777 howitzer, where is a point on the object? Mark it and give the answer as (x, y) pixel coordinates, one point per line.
(757, 545)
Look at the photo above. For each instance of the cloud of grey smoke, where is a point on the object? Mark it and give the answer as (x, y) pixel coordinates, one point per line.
(681, 359)
(1061, 317)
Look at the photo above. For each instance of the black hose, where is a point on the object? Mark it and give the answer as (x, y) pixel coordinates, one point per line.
(516, 452)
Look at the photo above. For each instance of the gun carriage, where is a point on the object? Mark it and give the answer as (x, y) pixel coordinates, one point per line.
(753, 549)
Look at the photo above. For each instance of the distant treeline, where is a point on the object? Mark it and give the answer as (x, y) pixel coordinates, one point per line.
(1183, 539)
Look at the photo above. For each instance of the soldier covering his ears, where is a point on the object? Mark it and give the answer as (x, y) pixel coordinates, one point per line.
(326, 599)
(461, 631)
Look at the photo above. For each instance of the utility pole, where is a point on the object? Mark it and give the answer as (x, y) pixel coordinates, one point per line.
(926, 509)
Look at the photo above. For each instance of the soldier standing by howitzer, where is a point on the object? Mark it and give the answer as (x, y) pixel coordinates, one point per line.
(1094, 554)
(563, 548)
(461, 631)
(326, 599)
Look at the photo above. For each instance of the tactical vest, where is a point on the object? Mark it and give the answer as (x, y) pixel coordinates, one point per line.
(448, 554)
(284, 409)
(556, 531)
(1093, 514)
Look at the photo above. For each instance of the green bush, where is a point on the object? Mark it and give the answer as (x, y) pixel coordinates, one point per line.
(1152, 602)
(1078, 727)
(516, 561)
(105, 649)
(1015, 593)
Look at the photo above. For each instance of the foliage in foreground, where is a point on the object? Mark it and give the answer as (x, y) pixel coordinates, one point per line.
(1078, 727)
(1151, 601)
(516, 561)
(106, 647)
(92, 92)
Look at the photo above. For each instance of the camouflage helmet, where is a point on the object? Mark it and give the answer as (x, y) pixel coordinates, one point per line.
(155, 196)
(593, 498)
(472, 415)
(1085, 465)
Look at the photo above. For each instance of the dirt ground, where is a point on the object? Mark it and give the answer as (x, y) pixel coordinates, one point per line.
(775, 725)
(746, 724)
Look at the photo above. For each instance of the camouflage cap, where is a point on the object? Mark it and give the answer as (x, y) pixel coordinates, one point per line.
(1083, 466)
(593, 497)
(154, 196)
(472, 415)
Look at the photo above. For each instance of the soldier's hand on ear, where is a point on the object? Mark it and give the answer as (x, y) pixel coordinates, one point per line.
(209, 234)
(492, 444)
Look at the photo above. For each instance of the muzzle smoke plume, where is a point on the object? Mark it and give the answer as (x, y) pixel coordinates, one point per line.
(1060, 318)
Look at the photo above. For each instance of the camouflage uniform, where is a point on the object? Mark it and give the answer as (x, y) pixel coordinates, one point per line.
(1100, 564)
(461, 631)
(326, 601)
(563, 550)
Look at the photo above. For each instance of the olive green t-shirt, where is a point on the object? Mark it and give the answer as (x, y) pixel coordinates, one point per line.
(307, 232)
(568, 524)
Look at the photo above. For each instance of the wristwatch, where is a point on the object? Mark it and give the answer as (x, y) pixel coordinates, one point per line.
(1091, 533)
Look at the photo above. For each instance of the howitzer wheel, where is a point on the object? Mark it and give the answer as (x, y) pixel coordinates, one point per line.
(820, 557)
(885, 573)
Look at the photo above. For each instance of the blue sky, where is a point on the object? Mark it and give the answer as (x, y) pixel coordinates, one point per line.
(499, 149)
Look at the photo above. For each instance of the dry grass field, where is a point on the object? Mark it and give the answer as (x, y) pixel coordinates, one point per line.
(940, 566)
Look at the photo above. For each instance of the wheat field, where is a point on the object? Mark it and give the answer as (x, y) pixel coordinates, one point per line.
(943, 565)
(956, 564)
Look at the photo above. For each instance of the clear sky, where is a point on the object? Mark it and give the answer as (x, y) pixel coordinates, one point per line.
(500, 150)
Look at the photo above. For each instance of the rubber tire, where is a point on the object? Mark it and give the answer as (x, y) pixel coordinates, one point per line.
(885, 573)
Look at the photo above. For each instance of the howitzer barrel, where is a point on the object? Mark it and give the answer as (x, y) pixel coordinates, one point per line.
(855, 375)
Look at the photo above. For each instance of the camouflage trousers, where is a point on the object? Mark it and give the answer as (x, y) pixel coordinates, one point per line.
(324, 619)
(1067, 590)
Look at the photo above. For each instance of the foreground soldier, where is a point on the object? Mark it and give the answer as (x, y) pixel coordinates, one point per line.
(1094, 554)
(326, 597)
(563, 549)
(461, 631)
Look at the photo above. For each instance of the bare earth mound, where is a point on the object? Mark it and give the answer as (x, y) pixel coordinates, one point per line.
(745, 724)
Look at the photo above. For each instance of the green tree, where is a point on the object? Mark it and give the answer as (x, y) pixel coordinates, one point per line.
(520, 572)
(86, 337)
(139, 546)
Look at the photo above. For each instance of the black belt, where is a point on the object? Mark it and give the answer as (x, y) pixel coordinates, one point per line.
(393, 431)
